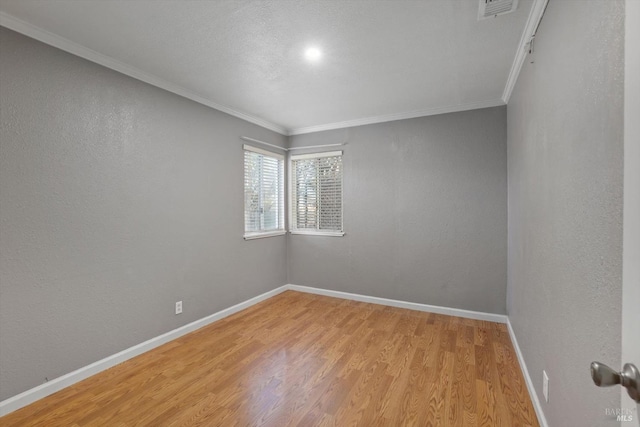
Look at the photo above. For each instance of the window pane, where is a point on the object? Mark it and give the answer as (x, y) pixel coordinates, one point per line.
(330, 173)
(252, 173)
(270, 199)
(263, 192)
(307, 194)
(317, 194)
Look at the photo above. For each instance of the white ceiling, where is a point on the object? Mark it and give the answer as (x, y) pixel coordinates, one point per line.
(382, 60)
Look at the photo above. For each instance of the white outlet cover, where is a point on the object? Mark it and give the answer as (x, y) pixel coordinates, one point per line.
(178, 307)
(545, 386)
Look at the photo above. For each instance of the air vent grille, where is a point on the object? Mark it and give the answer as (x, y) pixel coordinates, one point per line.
(492, 8)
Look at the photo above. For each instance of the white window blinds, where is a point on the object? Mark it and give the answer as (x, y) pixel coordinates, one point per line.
(263, 192)
(316, 193)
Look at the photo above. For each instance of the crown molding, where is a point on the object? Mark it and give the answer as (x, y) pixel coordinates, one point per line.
(398, 116)
(67, 45)
(537, 10)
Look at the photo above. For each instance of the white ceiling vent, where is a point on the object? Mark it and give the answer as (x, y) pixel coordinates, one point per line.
(493, 8)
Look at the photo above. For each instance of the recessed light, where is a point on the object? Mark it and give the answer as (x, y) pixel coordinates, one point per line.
(312, 54)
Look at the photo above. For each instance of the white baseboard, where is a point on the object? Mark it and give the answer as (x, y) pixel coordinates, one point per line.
(23, 399)
(527, 378)
(477, 315)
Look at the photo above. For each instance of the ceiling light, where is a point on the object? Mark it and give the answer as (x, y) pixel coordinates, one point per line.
(312, 54)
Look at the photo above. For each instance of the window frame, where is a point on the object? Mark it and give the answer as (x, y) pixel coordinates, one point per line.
(292, 204)
(282, 219)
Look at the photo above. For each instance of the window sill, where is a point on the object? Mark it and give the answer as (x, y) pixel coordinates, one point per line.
(252, 236)
(318, 233)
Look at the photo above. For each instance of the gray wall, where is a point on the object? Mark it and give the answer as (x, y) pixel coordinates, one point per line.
(425, 213)
(116, 200)
(565, 156)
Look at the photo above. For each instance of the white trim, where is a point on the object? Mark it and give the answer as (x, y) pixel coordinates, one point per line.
(263, 152)
(23, 399)
(257, 141)
(537, 9)
(397, 116)
(67, 45)
(316, 155)
(477, 315)
(527, 378)
(261, 235)
(318, 233)
(309, 147)
(631, 210)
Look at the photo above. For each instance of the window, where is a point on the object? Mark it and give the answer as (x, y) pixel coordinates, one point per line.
(263, 193)
(316, 194)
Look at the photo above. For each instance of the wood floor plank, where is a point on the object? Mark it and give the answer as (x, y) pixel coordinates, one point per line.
(307, 360)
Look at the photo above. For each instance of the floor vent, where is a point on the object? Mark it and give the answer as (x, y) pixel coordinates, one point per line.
(493, 8)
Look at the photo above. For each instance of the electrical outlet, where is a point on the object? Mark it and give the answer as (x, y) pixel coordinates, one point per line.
(545, 385)
(178, 307)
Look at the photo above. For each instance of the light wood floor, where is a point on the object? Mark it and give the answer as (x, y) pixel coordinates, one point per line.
(302, 359)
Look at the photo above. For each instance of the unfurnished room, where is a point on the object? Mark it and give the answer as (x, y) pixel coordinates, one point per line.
(320, 213)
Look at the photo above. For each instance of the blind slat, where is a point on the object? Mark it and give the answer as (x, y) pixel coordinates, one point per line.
(263, 192)
(317, 194)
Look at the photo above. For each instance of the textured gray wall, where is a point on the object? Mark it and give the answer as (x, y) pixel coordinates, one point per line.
(116, 200)
(425, 213)
(565, 155)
